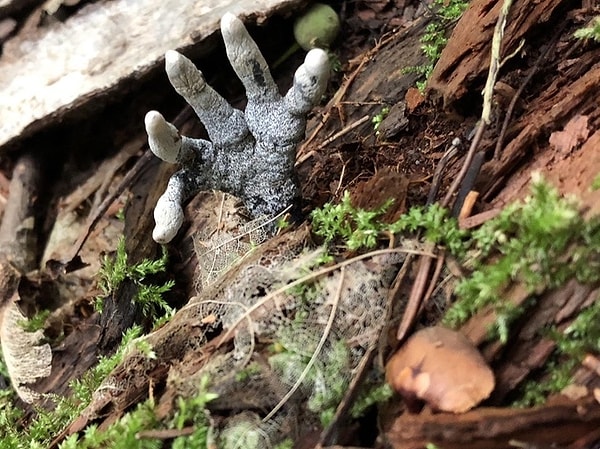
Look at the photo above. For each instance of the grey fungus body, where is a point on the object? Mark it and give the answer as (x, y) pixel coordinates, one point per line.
(250, 154)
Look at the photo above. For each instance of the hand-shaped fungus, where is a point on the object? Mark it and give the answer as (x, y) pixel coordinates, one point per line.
(250, 154)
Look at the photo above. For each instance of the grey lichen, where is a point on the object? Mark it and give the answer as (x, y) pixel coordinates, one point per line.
(250, 154)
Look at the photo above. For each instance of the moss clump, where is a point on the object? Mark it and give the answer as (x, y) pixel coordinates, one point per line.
(541, 242)
(357, 228)
(435, 37)
(116, 270)
(591, 31)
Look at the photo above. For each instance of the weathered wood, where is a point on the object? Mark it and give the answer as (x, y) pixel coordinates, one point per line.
(106, 45)
(466, 57)
(27, 357)
(493, 428)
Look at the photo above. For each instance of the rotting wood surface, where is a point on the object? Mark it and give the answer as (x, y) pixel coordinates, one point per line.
(466, 57)
(570, 419)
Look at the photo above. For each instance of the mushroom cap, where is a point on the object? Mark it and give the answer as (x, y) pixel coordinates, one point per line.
(441, 367)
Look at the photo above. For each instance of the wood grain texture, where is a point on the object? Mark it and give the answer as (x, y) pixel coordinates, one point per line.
(105, 46)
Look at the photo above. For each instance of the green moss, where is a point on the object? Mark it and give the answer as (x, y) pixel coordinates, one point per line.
(372, 395)
(596, 182)
(288, 443)
(378, 118)
(250, 370)
(325, 380)
(557, 377)
(579, 338)
(121, 434)
(435, 37)
(357, 228)
(36, 322)
(124, 433)
(541, 242)
(591, 31)
(14, 433)
(116, 270)
(84, 387)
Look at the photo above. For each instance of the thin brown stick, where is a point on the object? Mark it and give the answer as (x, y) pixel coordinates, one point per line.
(487, 99)
(416, 294)
(439, 265)
(331, 139)
(164, 434)
(328, 435)
(343, 131)
(466, 164)
(439, 169)
(337, 98)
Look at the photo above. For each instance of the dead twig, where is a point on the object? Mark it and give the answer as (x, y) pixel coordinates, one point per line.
(416, 294)
(337, 98)
(519, 92)
(18, 239)
(329, 434)
(439, 169)
(487, 100)
(327, 141)
(416, 298)
(165, 434)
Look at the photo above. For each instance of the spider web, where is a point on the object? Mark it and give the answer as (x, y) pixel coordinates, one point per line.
(322, 330)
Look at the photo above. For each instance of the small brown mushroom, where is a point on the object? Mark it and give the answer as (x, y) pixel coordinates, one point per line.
(442, 368)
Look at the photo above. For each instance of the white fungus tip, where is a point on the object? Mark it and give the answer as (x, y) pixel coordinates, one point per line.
(168, 217)
(153, 120)
(162, 235)
(171, 57)
(175, 62)
(163, 137)
(229, 22)
(316, 61)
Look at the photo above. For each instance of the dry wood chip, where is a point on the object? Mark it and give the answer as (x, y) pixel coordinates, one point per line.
(574, 132)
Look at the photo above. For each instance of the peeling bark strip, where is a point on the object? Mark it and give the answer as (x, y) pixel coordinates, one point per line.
(466, 56)
(27, 357)
(493, 428)
(68, 65)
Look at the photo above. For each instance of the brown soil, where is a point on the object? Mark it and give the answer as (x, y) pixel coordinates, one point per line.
(553, 128)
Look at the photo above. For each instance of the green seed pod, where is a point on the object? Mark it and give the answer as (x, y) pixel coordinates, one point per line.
(317, 27)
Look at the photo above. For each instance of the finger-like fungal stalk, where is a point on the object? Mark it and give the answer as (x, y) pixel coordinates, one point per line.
(250, 154)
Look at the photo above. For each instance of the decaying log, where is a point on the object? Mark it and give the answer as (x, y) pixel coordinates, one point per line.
(493, 428)
(82, 62)
(466, 57)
